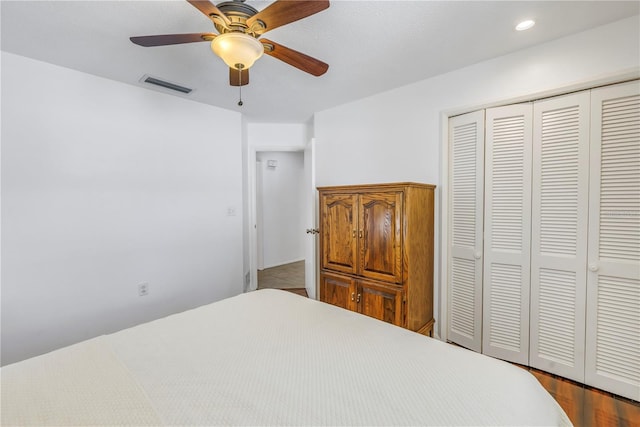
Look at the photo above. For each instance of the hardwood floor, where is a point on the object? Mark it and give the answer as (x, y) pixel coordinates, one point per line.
(299, 291)
(587, 406)
(287, 276)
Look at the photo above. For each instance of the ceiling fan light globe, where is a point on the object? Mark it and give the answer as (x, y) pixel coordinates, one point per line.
(237, 48)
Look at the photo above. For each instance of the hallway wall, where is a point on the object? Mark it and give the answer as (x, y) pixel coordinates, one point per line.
(280, 192)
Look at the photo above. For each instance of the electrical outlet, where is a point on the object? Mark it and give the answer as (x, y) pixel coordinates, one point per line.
(143, 289)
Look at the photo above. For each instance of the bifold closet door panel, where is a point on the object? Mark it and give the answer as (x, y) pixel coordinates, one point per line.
(466, 207)
(507, 228)
(560, 202)
(613, 277)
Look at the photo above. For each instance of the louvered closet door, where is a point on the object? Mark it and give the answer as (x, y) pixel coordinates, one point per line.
(613, 279)
(559, 234)
(507, 227)
(466, 199)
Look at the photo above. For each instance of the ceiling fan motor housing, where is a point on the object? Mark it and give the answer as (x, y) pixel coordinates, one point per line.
(238, 12)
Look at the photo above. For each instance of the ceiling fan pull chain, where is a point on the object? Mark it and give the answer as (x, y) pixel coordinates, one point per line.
(240, 87)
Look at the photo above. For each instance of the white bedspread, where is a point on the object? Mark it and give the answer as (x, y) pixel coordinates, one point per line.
(80, 385)
(274, 358)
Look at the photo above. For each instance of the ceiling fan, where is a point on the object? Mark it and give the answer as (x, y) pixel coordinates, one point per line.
(240, 27)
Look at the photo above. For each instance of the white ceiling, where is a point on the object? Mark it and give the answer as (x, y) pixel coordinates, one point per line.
(371, 46)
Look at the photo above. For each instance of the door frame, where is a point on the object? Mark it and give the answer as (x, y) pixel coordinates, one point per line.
(253, 206)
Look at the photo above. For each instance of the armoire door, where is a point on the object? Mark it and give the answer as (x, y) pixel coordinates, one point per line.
(338, 225)
(507, 228)
(380, 302)
(466, 210)
(380, 236)
(613, 277)
(338, 290)
(559, 234)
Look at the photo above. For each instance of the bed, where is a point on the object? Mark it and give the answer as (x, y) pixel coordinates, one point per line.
(270, 357)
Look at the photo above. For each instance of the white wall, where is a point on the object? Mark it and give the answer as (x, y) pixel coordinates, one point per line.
(281, 196)
(105, 186)
(398, 135)
(277, 136)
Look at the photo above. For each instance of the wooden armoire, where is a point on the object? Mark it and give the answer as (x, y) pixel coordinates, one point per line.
(376, 251)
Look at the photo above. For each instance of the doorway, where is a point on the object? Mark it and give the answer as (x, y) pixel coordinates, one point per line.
(279, 202)
(304, 212)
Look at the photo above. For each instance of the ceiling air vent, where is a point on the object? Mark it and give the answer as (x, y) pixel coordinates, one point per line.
(165, 84)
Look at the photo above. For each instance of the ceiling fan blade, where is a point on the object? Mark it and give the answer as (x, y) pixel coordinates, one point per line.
(238, 78)
(292, 57)
(283, 12)
(168, 39)
(210, 10)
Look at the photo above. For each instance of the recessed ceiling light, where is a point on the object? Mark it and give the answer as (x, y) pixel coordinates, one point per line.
(525, 25)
